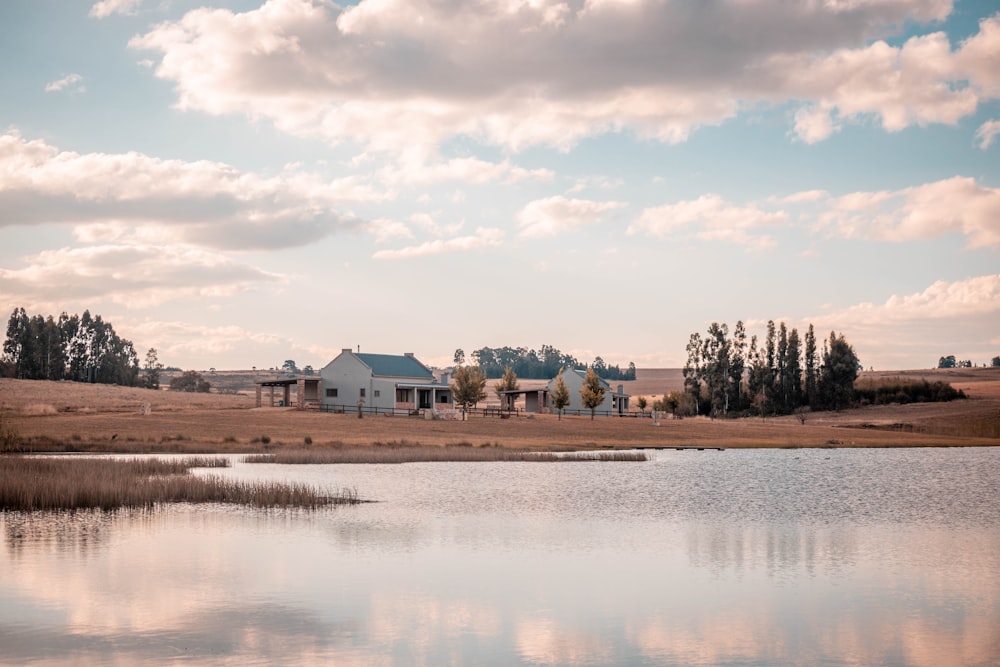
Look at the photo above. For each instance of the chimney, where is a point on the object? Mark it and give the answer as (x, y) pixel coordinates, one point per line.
(408, 354)
(345, 350)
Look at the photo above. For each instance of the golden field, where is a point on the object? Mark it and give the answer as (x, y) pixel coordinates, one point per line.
(66, 415)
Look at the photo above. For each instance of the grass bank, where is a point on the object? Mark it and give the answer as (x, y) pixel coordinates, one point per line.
(414, 453)
(30, 484)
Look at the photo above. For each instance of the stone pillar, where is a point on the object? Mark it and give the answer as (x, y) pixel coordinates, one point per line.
(258, 395)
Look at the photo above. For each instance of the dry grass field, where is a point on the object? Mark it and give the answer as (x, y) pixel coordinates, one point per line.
(65, 415)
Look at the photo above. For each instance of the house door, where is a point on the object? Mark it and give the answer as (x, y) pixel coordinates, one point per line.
(423, 398)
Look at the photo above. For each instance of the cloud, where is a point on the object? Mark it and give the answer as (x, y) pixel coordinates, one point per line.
(205, 203)
(954, 205)
(106, 8)
(484, 237)
(136, 276)
(418, 171)
(709, 218)
(948, 317)
(556, 215)
(70, 80)
(987, 132)
(406, 75)
(174, 339)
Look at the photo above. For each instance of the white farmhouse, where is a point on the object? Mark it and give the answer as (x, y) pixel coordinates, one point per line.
(615, 401)
(387, 382)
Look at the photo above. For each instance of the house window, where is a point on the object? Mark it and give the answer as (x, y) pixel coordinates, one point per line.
(377, 393)
(402, 396)
(442, 398)
(331, 393)
(362, 392)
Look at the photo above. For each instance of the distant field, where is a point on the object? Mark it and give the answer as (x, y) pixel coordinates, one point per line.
(53, 415)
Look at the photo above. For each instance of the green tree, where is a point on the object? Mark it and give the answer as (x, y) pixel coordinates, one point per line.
(793, 372)
(459, 357)
(592, 391)
(812, 368)
(468, 386)
(840, 370)
(947, 362)
(641, 403)
(737, 365)
(995, 361)
(507, 383)
(290, 366)
(190, 381)
(560, 394)
(693, 367)
(151, 370)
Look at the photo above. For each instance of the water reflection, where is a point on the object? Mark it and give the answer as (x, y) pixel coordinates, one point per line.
(623, 564)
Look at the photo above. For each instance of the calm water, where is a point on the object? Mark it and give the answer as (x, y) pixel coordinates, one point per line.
(785, 557)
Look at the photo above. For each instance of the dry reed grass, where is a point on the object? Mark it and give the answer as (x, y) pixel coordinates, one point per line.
(32, 484)
(414, 453)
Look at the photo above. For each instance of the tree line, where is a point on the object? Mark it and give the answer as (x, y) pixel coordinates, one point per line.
(780, 374)
(542, 364)
(82, 348)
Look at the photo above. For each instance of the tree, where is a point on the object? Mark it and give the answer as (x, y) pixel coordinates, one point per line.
(459, 357)
(560, 394)
(947, 362)
(840, 370)
(308, 370)
(507, 383)
(190, 381)
(995, 361)
(468, 386)
(290, 366)
(151, 377)
(812, 367)
(693, 368)
(793, 371)
(592, 391)
(641, 404)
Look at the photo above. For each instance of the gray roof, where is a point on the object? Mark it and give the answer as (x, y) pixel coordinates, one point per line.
(395, 365)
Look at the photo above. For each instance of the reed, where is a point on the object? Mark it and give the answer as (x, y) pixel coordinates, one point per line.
(30, 484)
(410, 453)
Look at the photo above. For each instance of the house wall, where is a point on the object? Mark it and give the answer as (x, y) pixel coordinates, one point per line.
(349, 375)
(574, 382)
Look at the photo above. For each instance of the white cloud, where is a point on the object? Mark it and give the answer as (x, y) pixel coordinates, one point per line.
(987, 132)
(948, 317)
(136, 276)
(206, 346)
(207, 203)
(68, 81)
(484, 237)
(954, 205)
(106, 8)
(709, 218)
(416, 170)
(556, 215)
(405, 75)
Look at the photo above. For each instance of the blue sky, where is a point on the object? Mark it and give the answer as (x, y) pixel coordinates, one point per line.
(240, 183)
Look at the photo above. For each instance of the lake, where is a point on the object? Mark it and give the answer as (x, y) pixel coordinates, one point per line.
(741, 557)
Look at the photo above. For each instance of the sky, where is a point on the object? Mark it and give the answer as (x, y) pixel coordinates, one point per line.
(241, 182)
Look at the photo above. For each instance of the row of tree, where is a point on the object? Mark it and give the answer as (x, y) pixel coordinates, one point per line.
(468, 387)
(951, 362)
(542, 364)
(84, 348)
(728, 373)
